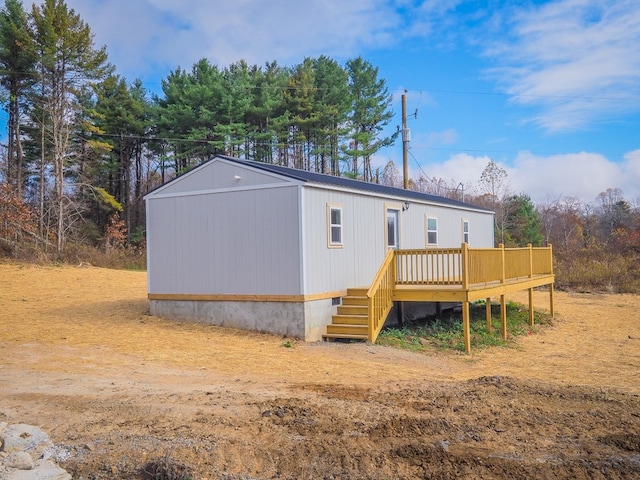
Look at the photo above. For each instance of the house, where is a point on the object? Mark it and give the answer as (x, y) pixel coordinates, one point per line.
(269, 248)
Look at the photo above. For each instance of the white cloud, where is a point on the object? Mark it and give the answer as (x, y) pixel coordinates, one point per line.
(578, 175)
(578, 60)
(146, 35)
(459, 168)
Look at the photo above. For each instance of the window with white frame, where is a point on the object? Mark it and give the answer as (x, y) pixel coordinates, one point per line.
(465, 231)
(393, 228)
(334, 220)
(432, 230)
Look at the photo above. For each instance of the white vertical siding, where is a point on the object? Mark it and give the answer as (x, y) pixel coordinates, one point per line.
(234, 242)
(364, 235)
(450, 226)
(333, 269)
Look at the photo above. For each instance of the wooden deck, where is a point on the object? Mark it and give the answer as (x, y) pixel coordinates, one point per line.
(459, 275)
(476, 291)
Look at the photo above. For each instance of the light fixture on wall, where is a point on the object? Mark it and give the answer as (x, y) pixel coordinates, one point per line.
(405, 206)
(237, 177)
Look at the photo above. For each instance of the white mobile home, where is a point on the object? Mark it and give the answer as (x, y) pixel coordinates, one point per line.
(263, 247)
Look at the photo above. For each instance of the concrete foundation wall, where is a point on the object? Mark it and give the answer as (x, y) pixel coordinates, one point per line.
(317, 316)
(297, 320)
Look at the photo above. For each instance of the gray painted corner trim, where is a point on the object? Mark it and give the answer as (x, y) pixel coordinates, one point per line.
(302, 238)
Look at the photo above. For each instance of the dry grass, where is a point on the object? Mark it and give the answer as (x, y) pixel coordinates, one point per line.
(595, 342)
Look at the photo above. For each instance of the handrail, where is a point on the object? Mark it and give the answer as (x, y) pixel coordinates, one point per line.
(379, 295)
(461, 267)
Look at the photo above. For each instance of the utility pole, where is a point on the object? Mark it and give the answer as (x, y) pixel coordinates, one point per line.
(406, 138)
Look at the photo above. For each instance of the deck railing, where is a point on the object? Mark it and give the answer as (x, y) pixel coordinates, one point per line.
(433, 267)
(380, 295)
(471, 266)
(462, 267)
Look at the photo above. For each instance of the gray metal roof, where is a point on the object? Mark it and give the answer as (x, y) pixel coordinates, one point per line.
(324, 179)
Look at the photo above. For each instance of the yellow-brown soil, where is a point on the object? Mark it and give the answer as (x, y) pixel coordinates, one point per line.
(118, 389)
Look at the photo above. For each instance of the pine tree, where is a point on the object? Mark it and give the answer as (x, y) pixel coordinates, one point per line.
(371, 112)
(122, 122)
(17, 62)
(299, 102)
(522, 222)
(67, 60)
(267, 100)
(189, 114)
(332, 104)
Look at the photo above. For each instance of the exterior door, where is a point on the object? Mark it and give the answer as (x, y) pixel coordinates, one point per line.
(393, 230)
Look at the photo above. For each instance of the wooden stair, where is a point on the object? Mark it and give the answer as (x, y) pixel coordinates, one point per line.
(352, 320)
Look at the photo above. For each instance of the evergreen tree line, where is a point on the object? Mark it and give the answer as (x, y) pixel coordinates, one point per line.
(84, 145)
(317, 116)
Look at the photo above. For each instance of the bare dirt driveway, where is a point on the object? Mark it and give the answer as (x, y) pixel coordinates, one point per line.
(120, 392)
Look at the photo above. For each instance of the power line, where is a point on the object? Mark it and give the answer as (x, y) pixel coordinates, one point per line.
(420, 167)
(510, 152)
(524, 95)
(283, 144)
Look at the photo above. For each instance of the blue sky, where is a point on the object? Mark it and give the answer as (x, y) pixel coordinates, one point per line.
(549, 90)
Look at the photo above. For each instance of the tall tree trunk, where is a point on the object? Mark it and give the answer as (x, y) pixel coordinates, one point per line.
(41, 183)
(19, 157)
(15, 165)
(137, 192)
(10, 145)
(60, 134)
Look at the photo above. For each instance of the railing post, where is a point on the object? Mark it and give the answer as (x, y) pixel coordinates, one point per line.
(394, 270)
(530, 260)
(380, 294)
(371, 313)
(466, 329)
(465, 266)
(551, 286)
(502, 264)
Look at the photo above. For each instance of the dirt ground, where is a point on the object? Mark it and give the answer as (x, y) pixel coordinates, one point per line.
(120, 391)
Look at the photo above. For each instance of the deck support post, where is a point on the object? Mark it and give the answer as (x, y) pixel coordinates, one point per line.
(487, 309)
(503, 315)
(531, 317)
(465, 327)
(400, 313)
(551, 299)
